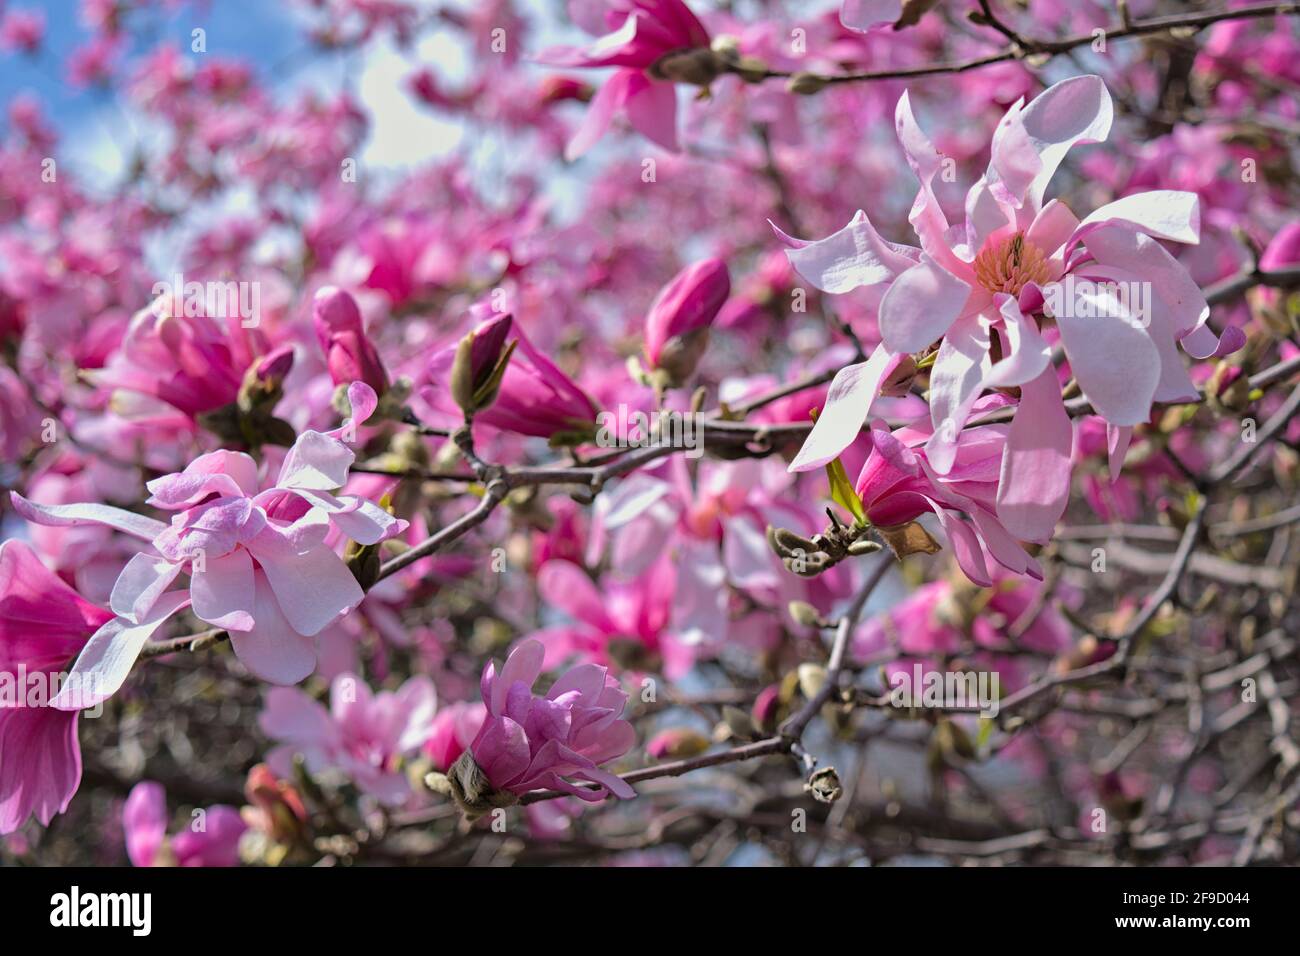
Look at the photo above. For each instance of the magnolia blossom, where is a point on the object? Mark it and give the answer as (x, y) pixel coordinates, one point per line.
(643, 33)
(259, 562)
(172, 362)
(898, 484)
(556, 742)
(43, 622)
(350, 355)
(211, 839)
(677, 325)
(628, 624)
(534, 396)
(1117, 299)
(363, 735)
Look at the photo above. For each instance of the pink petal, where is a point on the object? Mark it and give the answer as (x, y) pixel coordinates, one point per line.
(1162, 213)
(1124, 248)
(273, 650)
(1118, 438)
(87, 513)
(140, 584)
(524, 666)
(1026, 353)
(920, 306)
(855, 256)
(290, 715)
(651, 108)
(40, 764)
(1034, 486)
(848, 403)
(316, 462)
(600, 112)
(222, 591)
(312, 587)
(109, 655)
(1112, 357)
(564, 585)
(1074, 111)
(956, 380)
(144, 820)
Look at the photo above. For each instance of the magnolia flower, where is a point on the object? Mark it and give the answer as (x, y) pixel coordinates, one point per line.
(627, 624)
(677, 325)
(350, 355)
(259, 563)
(211, 839)
(363, 735)
(1119, 302)
(898, 484)
(171, 360)
(531, 397)
(43, 622)
(645, 33)
(555, 742)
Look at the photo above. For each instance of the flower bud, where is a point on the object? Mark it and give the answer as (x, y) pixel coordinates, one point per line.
(805, 84)
(677, 325)
(277, 809)
(480, 364)
(824, 785)
(699, 66)
(351, 356)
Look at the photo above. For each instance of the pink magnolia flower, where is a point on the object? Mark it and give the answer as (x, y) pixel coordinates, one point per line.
(643, 33)
(898, 484)
(363, 735)
(976, 289)
(530, 743)
(43, 622)
(169, 360)
(676, 327)
(351, 356)
(535, 397)
(625, 623)
(210, 840)
(259, 562)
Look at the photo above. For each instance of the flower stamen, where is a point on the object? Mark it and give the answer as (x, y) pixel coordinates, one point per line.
(1011, 264)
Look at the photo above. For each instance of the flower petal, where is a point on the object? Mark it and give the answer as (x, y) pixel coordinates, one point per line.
(855, 256)
(1034, 486)
(140, 584)
(109, 655)
(920, 306)
(222, 591)
(87, 513)
(1162, 213)
(312, 587)
(848, 403)
(274, 650)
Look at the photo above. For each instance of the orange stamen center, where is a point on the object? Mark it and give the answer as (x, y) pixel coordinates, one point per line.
(1010, 264)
